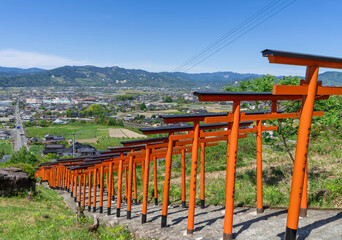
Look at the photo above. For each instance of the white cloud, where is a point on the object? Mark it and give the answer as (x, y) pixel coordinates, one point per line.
(22, 59)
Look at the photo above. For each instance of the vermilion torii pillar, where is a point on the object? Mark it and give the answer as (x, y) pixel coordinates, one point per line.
(308, 89)
(234, 119)
(197, 118)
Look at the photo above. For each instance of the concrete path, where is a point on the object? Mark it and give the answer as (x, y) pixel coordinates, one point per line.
(209, 222)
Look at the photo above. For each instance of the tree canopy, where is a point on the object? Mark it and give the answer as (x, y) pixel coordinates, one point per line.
(288, 128)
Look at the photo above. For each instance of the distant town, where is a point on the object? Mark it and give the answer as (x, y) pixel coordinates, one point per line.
(22, 108)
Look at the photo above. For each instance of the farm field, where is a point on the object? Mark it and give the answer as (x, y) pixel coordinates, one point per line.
(82, 131)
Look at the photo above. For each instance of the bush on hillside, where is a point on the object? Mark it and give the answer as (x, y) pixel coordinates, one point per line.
(23, 156)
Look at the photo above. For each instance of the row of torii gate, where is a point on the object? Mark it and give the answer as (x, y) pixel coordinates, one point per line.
(77, 174)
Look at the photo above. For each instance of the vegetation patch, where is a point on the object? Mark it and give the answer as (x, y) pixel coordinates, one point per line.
(48, 217)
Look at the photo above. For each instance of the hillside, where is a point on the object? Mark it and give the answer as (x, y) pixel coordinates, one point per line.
(94, 76)
(121, 77)
(216, 79)
(8, 71)
(331, 78)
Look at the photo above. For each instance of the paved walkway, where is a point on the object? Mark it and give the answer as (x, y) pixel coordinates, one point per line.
(209, 222)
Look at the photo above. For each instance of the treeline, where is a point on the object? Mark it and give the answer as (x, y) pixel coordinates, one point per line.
(288, 128)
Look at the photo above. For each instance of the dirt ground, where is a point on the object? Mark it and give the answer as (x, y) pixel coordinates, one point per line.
(92, 140)
(115, 132)
(123, 133)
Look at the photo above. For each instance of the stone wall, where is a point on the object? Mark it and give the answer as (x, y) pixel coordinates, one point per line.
(13, 180)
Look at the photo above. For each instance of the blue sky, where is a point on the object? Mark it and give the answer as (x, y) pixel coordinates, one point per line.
(161, 35)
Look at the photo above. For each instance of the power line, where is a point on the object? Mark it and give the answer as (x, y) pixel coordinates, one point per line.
(236, 33)
(201, 60)
(226, 35)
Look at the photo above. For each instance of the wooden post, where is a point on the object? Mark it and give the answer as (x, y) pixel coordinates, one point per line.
(129, 196)
(155, 181)
(183, 179)
(83, 190)
(260, 208)
(126, 184)
(135, 183)
(231, 169)
(301, 154)
(72, 184)
(145, 185)
(89, 192)
(75, 190)
(109, 187)
(304, 203)
(202, 175)
(101, 188)
(118, 199)
(79, 189)
(94, 190)
(193, 178)
(168, 161)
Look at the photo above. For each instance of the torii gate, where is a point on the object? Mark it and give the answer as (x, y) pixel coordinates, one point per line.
(308, 89)
(196, 118)
(234, 118)
(188, 128)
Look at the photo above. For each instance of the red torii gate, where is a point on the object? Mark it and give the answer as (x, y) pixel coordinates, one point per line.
(189, 128)
(308, 90)
(234, 118)
(196, 118)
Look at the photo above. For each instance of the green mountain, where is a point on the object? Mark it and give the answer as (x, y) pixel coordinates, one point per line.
(94, 76)
(331, 78)
(120, 77)
(8, 71)
(216, 79)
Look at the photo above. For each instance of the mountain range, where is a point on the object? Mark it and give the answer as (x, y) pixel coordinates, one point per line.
(82, 76)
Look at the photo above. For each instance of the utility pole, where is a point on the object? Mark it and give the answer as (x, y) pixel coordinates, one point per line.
(73, 144)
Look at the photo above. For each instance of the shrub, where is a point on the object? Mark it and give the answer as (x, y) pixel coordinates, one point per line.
(23, 156)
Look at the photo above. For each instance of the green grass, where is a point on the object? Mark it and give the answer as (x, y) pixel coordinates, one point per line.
(22, 219)
(6, 146)
(82, 131)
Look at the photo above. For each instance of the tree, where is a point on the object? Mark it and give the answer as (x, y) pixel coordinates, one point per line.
(111, 122)
(69, 112)
(23, 155)
(142, 106)
(286, 127)
(95, 109)
(181, 100)
(2, 153)
(120, 123)
(167, 99)
(28, 124)
(43, 123)
(124, 97)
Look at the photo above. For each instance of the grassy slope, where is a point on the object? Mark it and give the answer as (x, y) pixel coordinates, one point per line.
(22, 219)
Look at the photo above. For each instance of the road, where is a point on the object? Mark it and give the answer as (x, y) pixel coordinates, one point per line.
(19, 138)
